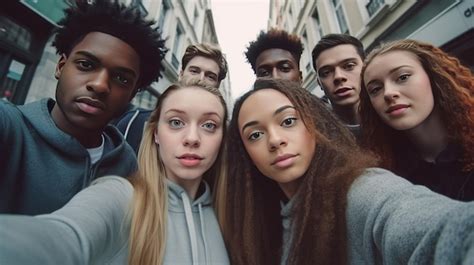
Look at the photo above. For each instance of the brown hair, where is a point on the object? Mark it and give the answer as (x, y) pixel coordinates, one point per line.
(453, 90)
(252, 223)
(208, 51)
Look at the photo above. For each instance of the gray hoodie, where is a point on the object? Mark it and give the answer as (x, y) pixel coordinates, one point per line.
(391, 221)
(93, 228)
(42, 167)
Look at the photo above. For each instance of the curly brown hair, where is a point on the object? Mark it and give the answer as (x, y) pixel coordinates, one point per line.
(453, 91)
(252, 224)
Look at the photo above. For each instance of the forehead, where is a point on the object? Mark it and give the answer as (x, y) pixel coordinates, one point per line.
(383, 63)
(273, 56)
(337, 54)
(195, 99)
(203, 63)
(261, 105)
(109, 49)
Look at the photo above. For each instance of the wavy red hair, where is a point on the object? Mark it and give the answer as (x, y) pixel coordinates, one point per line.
(453, 91)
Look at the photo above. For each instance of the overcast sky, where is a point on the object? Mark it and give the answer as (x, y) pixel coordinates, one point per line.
(237, 23)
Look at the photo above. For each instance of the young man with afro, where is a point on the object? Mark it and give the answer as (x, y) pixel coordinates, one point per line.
(276, 54)
(51, 149)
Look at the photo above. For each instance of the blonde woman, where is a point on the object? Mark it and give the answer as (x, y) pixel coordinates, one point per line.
(165, 217)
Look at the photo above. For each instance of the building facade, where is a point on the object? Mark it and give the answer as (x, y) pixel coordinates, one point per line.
(448, 24)
(28, 61)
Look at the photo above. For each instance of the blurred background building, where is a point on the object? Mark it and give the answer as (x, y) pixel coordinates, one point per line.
(28, 61)
(448, 24)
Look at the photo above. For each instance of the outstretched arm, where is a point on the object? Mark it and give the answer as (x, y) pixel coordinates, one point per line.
(391, 221)
(90, 229)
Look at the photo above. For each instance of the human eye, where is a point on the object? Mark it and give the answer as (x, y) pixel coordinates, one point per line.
(403, 77)
(176, 123)
(286, 67)
(289, 122)
(324, 73)
(253, 136)
(210, 126)
(349, 66)
(262, 72)
(373, 90)
(212, 77)
(194, 70)
(84, 65)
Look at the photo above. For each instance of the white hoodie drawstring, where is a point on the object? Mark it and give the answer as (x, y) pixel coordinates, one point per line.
(203, 231)
(191, 230)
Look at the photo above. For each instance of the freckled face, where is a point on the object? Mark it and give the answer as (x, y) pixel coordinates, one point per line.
(399, 89)
(275, 137)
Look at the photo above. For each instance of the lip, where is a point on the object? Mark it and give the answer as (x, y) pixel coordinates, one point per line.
(190, 160)
(397, 109)
(284, 160)
(343, 91)
(90, 105)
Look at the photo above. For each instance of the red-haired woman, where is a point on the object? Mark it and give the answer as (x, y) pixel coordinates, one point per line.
(417, 113)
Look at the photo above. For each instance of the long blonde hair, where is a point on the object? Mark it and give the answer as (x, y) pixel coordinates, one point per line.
(150, 201)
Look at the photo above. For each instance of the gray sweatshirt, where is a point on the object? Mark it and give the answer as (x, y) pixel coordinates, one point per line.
(391, 221)
(42, 167)
(93, 228)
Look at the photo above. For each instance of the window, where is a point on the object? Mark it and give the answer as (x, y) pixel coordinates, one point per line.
(15, 34)
(176, 46)
(315, 17)
(373, 6)
(341, 19)
(165, 7)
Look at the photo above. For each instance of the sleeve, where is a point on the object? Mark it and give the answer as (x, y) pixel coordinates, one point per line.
(391, 221)
(92, 228)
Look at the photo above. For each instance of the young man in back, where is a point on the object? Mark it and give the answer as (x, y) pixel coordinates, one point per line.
(51, 149)
(202, 61)
(338, 60)
(276, 54)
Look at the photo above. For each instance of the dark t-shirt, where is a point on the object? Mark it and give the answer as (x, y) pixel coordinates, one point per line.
(444, 176)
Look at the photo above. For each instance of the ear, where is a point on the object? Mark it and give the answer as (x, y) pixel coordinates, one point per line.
(319, 83)
(180, 74)
(155, 136)
(301, 77)
(60, 65)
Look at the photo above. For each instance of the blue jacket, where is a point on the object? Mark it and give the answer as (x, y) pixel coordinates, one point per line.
(42, 167)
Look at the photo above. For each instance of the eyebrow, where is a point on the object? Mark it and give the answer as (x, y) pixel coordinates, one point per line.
(94, 58)
(390, 72)
(340, 62)
(277, 111)
(210, 113)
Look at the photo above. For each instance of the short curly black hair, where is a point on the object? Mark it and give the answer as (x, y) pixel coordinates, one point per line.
(274, 39)
(118, 20)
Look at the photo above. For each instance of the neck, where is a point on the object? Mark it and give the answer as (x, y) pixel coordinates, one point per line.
(348, 114)
(290, 188)
(429, 137)
(191, 186)
(88, 138)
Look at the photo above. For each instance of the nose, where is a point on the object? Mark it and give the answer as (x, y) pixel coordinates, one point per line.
(390, 93)
(275, 73)
(202, 76)
(275, 140)
(192, 137)
(99, 83)
(339, 76)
